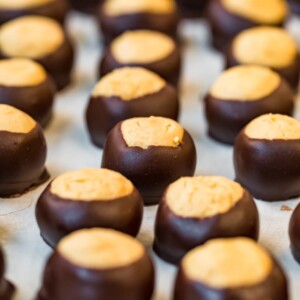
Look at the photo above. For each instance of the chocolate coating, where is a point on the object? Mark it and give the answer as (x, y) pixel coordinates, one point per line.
(168, 68)
(151, 170)
(294, 6)
(290, 73)
(294, 233)
(176, 235)
(36, 101)
(58, 64)
(192, 8)
(113, 26)
(57, 217)
(55, 10)
(7, 289)
(275, 287)
(226, 25)
(22, 159)
(64, 280)
(103, 113)
(227, 117)
(269, 169)
(86, 6)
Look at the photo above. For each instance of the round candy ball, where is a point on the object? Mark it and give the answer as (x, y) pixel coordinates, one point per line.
(88, 198)
(98, 264)
(266, 155)
(229, 269)
(194, 210)
(22, 153)
(151, 152)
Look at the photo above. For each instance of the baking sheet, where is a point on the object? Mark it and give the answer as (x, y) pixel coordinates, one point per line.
(69, 148)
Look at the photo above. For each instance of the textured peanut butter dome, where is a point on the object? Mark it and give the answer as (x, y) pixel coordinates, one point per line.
(100, 249)
(30, 36)
(268, 46)
(228, 263)
(21, 72)
(91, 184)
(14, 120)
(152, 131)
(120, 7)
(273, 127)
(203, 197)
(16, 4)
(129, 84)
(245, 83)
(262, 12)
(142, 46)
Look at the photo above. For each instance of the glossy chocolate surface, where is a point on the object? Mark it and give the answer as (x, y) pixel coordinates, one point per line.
(58, 64)
(113, 26)
(192, 8)
(22, 159)
(103, 113)
(176, 235)
(36, 101)
(227, 117)
(151, 170)
(57, 217)
(86, 6)
(168, 68)
(7, 289)
(55, 10)
(269, 169)
(294, 233)
(275, 287)
(64, 280)
(290, 73)
(226, 25)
